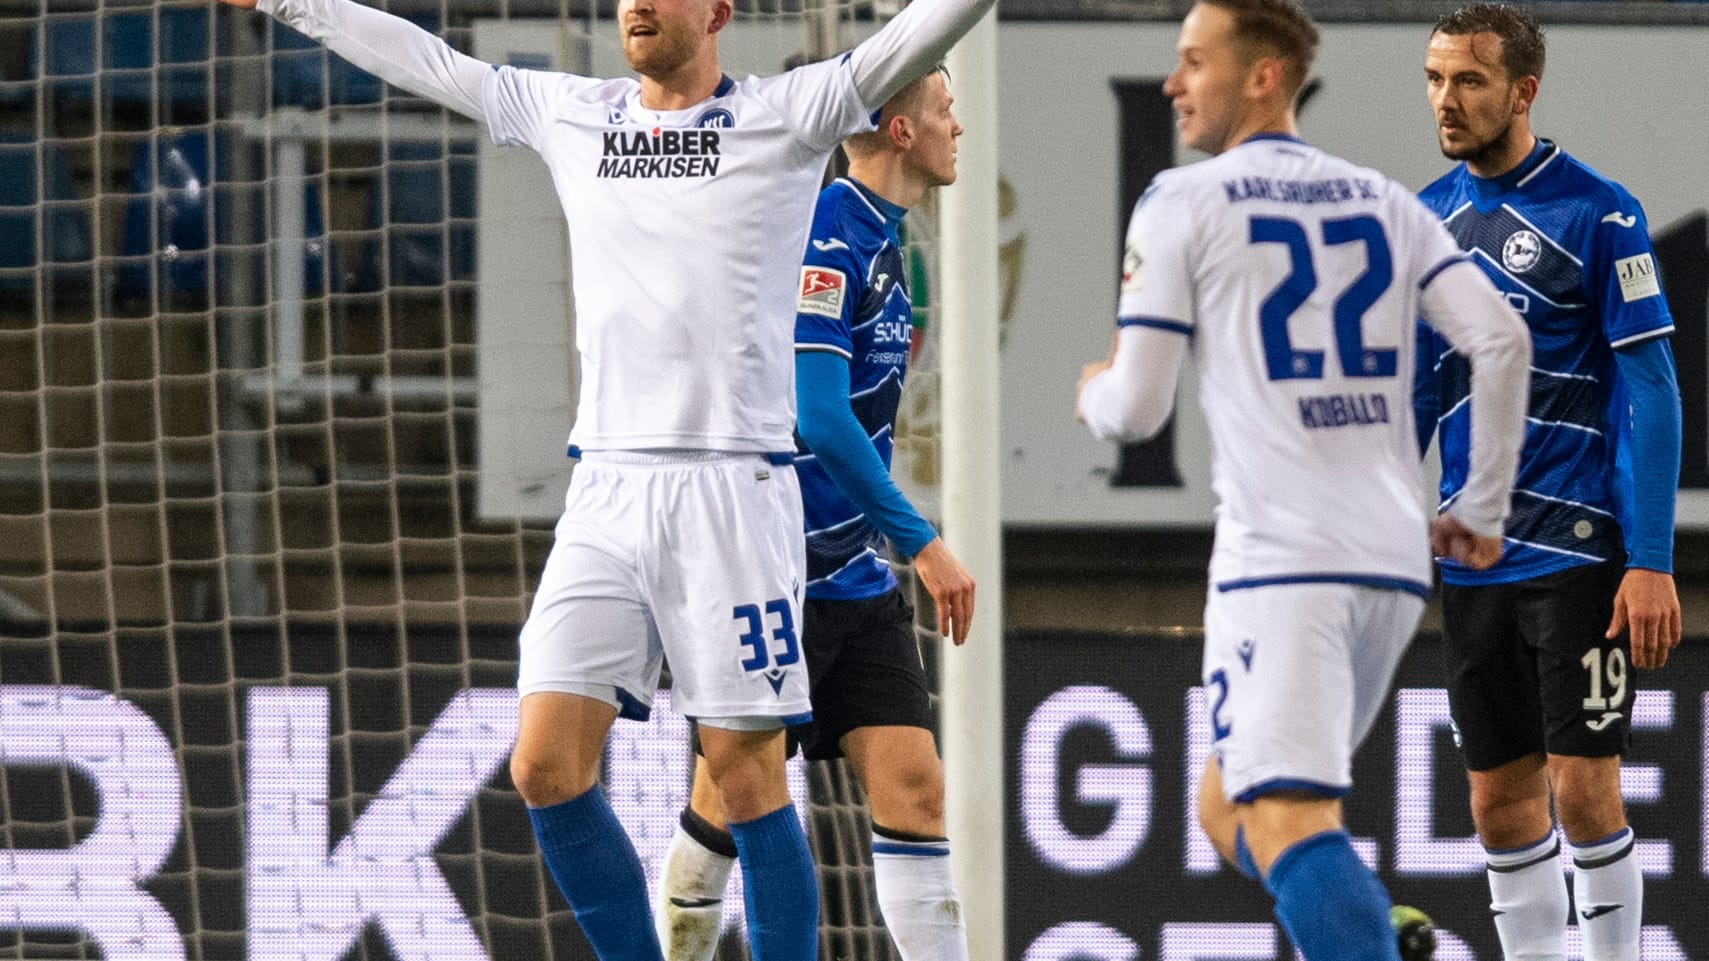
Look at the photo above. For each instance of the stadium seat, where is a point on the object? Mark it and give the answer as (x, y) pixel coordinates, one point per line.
(128, 61)
(167, 223)
(65, 252)
(412, 213)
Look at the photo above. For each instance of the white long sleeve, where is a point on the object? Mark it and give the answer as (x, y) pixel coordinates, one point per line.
(1133, 399)
(915, 41)
(1461, 303)
(391, 48)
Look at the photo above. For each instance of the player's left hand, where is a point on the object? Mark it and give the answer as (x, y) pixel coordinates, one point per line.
(950, 586)
(1091, 370)
(1647, 605)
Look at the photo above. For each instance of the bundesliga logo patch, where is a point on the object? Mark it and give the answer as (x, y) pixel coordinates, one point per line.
(1133, 264)
(822, 291)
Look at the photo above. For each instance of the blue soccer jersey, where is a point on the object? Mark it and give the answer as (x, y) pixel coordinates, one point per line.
(854, 302)
(1571, 252)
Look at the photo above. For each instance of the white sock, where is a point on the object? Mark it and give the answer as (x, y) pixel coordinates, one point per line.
(1528, 895)
(1608, 886)
(689, 910)
(917, 896)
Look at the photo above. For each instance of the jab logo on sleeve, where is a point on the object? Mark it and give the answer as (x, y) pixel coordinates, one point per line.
(1637, 277)
(822, 292)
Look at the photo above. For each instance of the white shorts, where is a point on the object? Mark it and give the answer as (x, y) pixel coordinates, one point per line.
(694, 556)
(1295, 675)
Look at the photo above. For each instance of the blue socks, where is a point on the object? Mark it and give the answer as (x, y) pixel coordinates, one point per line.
(1331, 905)
(779, 888)
(599, 873)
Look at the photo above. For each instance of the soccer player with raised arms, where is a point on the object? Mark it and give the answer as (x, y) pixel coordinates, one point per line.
(1540, 647)
(688, 196)
(1295, 278)
(870, 700)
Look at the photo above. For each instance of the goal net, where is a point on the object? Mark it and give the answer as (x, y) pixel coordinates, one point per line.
(270, 476)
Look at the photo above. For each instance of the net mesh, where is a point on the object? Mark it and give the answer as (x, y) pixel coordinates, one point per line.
(238, 453)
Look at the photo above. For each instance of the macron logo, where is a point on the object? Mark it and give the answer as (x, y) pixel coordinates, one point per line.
(826, 246)
(1626, 220)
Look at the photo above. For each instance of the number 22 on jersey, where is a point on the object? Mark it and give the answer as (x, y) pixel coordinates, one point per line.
(1282, 359)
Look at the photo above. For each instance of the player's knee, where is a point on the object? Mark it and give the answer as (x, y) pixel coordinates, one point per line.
(542, 780)
(918, 786)
(1514, 797)
(907, 797)
(926, 798)
(746, 793)
(1589, 808)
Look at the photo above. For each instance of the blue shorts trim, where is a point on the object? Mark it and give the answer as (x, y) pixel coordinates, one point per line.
(1277, 784)
(631, 708)
(796, 720)
(1381, 582)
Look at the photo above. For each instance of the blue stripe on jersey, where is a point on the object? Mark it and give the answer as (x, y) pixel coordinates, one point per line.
(1561, 526)
(1548, 234)
(1381, 582)
(1512, 245)
(1160, 323)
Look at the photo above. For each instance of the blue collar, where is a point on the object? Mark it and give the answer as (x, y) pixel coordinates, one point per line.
(725, 85)
(1274, 135)
(1491, 186)
(892, 213)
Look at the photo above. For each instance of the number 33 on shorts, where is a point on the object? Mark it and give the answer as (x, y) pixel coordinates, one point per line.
(768, 654)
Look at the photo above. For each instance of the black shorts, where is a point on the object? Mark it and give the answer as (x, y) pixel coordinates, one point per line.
(1529, 670)
(863, 670)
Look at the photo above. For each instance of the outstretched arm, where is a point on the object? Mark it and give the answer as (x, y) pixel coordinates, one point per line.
(912, 43)
(391, 48)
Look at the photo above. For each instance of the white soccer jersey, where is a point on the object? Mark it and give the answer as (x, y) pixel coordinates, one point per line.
(686, 229)
(1298, 277)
